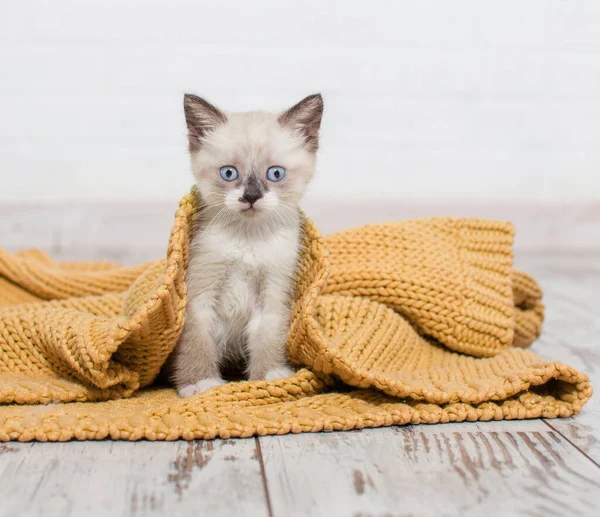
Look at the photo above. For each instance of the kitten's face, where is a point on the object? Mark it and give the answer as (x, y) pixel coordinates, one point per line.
(255, 164)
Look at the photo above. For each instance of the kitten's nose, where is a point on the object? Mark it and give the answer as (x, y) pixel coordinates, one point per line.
(252, 192)
(251, 196)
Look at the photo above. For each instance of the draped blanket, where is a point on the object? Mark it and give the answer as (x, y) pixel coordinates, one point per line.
(419, 321)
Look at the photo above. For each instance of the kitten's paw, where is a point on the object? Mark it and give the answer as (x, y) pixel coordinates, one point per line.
(282, 372)
(200, 387)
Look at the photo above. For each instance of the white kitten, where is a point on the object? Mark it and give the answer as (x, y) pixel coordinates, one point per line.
(251, 170)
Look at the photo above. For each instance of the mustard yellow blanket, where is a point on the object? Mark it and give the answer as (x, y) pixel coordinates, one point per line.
(419, 321)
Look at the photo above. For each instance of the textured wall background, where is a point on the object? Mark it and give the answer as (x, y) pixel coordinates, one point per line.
(427, 100)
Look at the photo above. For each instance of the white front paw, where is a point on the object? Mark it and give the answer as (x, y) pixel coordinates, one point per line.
(282, 372)
(200, 387)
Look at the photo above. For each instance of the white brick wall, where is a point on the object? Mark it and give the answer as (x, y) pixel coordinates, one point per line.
(424, 100)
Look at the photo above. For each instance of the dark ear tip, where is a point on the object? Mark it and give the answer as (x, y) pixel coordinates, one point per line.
(316, 100)
(189, 98)
(317, 97)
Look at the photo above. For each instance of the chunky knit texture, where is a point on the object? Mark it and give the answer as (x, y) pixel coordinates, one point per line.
(425, 319)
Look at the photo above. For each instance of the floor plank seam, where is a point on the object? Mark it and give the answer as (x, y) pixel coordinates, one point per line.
(264, 476)
(572, 443)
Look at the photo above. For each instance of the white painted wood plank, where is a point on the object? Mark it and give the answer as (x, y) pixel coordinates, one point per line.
(96, 479)
(430, 471)
(394, 123)
(429, 23)
(471, 77)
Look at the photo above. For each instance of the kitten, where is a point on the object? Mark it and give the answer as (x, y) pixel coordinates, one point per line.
(251, 170)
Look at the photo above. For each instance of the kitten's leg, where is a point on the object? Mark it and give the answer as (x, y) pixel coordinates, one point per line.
(196, 362)
(266, 334)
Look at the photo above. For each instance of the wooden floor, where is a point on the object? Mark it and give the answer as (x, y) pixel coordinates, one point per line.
(531, 468)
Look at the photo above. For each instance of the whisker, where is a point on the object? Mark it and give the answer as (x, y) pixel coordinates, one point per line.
(215, 218)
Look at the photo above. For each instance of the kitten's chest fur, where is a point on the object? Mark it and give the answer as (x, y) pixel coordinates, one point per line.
(243, 271)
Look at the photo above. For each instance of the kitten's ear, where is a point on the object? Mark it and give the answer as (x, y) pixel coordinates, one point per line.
(201, 117)
(305, 117)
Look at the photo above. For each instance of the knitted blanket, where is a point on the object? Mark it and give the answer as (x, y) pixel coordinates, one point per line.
(420, 321)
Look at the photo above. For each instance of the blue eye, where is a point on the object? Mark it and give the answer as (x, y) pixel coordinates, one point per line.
(275, 173)
(229, 173)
